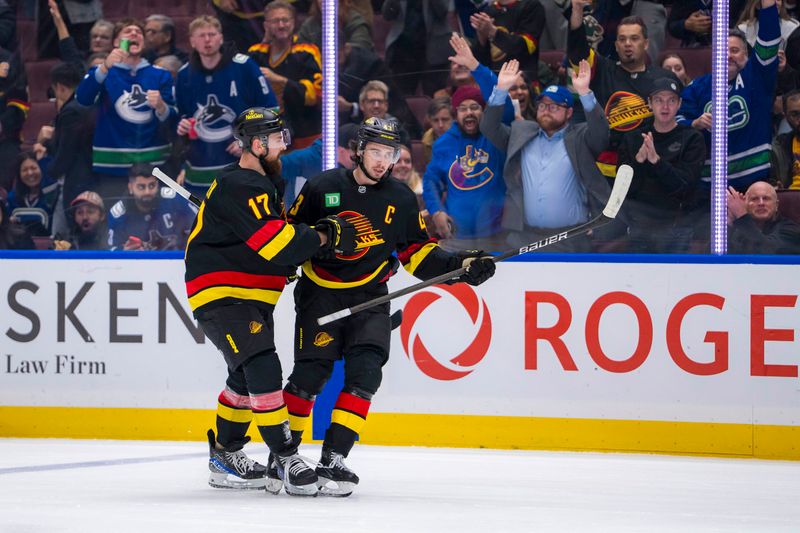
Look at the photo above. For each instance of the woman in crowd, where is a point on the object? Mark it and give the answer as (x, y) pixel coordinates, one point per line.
(521, 92)
(674, 62)
(31, 201)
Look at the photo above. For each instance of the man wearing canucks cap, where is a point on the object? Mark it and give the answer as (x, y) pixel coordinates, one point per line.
(551, 179)
(238, 255)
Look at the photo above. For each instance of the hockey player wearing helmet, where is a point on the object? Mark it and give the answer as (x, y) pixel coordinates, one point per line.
(385, 212)
(238, 255)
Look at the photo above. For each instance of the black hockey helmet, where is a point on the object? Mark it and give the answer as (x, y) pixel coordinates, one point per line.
(258, 122)
(378, 130)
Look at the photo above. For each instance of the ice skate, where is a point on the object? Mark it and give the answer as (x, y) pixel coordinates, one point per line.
(298, 478)
(335, 479)
(274, 482)
(232, 469)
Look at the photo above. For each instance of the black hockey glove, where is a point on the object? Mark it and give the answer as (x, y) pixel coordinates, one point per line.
(341, 234)
(479, 265)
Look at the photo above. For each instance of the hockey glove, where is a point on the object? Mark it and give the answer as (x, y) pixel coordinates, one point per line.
(341, 234)
(479, 265)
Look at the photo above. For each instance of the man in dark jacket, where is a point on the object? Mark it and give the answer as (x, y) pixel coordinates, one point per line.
(756, 227)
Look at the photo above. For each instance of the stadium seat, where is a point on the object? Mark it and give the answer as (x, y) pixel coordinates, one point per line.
(419, 106)
(40, 114)
(418, 156)
(696, 60)
(26, 33)
(552, 58)
(43, 243)
(789, 204)
(39, 79)
(380, 29)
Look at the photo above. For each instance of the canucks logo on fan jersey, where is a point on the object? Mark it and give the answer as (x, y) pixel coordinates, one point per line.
(471, 170)
(132, 106)
(213, 120)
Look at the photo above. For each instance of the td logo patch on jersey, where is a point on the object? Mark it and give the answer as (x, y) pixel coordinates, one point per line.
(132, 106)
(213, 120)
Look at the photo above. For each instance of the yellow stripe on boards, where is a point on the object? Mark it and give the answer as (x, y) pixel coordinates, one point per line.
(234, 415)
(348, 420)
(457, 431)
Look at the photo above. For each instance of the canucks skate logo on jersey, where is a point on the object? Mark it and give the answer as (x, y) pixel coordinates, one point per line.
(213, 120)
(626, 111)
(132, 106)
(738, 112)
(471, 170)
(366, 235)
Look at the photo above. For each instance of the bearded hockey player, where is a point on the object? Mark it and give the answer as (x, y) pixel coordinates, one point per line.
(239, 253)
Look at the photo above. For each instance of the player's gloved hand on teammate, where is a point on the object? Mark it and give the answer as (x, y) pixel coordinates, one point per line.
(341, 234)
(480, 266)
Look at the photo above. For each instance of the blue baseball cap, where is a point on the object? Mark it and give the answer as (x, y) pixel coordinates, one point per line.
(558, 94)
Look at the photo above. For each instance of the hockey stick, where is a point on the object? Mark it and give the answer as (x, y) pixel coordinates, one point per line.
(175, 186)
(621, 184)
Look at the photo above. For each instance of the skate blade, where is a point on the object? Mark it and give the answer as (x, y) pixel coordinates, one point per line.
(329, 487)
(226, 481)
(301, 490)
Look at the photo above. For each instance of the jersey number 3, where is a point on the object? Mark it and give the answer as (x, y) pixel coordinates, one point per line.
(263, 200)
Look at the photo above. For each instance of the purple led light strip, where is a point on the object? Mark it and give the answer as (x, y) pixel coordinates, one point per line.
(330, 77)
(719, 131)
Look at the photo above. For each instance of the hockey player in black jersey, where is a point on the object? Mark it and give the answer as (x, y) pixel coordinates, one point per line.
(239, 253)
(386, 217)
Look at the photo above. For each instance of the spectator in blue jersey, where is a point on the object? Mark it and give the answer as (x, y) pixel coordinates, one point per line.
(751, 89)
(211, 91)
(133, 100)
(550, 178)
(33, 199)
(463, 185)
(150, 218)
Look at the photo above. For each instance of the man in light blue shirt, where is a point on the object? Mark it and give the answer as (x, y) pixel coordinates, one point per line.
(551, 180)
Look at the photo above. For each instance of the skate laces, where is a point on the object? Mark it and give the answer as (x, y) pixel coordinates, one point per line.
(240, 461)
(337, 461)
(295, 465)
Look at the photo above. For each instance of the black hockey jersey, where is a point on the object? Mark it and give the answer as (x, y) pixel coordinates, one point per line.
(240, 247)
(300, 97)
(387, 219)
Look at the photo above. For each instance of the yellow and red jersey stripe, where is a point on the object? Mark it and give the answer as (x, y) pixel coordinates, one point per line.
(412, 256)
(229, 284)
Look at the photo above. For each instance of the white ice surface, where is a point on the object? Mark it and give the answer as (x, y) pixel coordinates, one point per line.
(402, 489)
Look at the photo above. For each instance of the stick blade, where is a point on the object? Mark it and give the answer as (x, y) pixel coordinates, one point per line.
(622, 182)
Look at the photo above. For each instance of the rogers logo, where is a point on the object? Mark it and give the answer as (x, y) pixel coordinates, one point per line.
(464, 363)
